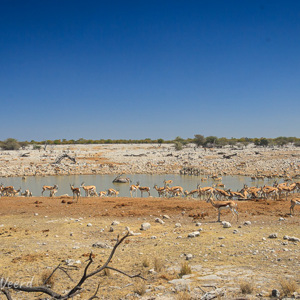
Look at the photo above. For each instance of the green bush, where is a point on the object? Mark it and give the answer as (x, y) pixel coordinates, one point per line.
(10, 144)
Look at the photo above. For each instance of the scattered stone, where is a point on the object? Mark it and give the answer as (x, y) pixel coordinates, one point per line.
(291, 238)
(198, 224)
(275, 293)
(152, 271)
(193, 234)
(111, 229)
(235, 231)
(166, 217)
(101, 245)
(217, 293)
(221, 237)
(36, 214)
(247, 223)
(71, 262)
(153, 237)
(281, 219)
(145, 226)
(177, 225)
(226, 224)
(160, 221)
(189, 256)
(115, 223)
(89, 225)
(273, 236)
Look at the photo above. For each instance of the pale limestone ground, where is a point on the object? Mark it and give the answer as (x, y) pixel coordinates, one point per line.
(150, 159)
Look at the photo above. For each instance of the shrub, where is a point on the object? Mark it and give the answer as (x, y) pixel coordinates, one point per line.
(36, 147)
(178, 146)
(10, 144)
(297, 144)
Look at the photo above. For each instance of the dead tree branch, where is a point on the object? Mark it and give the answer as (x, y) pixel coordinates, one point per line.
(5, 286)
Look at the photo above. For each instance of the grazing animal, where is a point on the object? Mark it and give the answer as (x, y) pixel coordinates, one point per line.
(144, 189)
(49, 188)
(53, 192)
(27, 193)
(294, 202)
(87, 189)
(75, 191)
(167, 182)
(161, 190)
(221, 205)
(134, 188)
(112, 192)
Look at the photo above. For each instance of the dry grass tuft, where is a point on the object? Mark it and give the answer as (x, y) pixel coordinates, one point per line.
(246, 287)
(139, 287)
(183, 296)
(185, 269)
(167, 276)
(146, 262)
(288, 287)
(51, 281)
(106, 272)
(158, 264)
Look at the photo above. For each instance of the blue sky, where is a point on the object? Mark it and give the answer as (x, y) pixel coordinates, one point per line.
(149, 69)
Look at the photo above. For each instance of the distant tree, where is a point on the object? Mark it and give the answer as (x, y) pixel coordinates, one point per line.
(160, 141)
(24, 144)
(222, 142)
(281, 141)
(178, 146)
(181, 140)
(264, 142)
(199, 140)
(211, 141)
(10, 144)
(297, 144)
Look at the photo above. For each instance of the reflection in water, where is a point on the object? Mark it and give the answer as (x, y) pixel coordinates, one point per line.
(104, 182)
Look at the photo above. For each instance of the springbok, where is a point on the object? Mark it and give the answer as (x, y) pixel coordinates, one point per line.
(144, 189)
(87, 189)
(49, 188)
(75, 191)
(221, 205)
(294, 202)
(134, 188)
(112, 192)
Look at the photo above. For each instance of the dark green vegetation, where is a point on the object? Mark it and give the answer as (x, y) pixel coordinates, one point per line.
(179, 142)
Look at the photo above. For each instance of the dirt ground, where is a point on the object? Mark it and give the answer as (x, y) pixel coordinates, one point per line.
(39, 233)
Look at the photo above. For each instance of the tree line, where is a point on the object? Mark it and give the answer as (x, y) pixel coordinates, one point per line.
(179, 142)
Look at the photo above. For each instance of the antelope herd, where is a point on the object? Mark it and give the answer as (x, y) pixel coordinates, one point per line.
(224, 198)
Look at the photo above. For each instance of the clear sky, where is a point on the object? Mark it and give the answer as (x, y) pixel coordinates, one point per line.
(149, 69)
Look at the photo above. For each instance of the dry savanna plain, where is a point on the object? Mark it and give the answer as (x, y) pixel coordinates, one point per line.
(184, 253)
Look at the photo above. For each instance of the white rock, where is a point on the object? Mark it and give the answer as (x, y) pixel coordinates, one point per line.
(145, 226)
(226, 224)
(158, 220)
